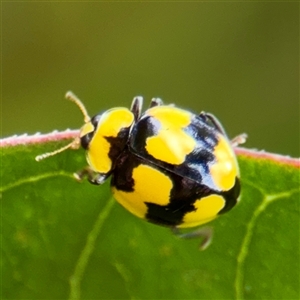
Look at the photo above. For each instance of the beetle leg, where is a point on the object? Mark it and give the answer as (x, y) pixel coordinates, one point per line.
(92, 176)
(240, 139)
(206, 233)
(214, 121)
(136, 107)
(156, 102)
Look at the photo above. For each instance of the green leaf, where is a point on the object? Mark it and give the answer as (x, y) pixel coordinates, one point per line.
(63, 239)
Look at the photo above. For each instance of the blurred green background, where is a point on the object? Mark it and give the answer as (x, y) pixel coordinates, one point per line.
(237, 60)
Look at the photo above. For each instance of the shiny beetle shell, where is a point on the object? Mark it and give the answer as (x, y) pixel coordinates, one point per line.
(167, 165)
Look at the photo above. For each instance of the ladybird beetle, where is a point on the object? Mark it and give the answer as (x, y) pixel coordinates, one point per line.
(167, 165)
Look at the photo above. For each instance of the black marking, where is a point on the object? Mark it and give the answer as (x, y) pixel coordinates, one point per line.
(122, 175)
(231, 197)
(183, 196)
(205, 135)
(146, 127)
(117, 144)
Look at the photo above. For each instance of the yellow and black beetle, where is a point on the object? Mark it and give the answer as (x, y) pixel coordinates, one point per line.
(167, 165)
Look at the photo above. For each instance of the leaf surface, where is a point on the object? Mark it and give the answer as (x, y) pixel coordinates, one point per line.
(64, 239)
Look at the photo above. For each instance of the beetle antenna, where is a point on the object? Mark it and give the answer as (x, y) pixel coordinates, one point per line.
(72, 97)
(75, 144)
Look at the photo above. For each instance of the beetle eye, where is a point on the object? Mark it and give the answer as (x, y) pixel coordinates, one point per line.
(86, 134)
(86, 139)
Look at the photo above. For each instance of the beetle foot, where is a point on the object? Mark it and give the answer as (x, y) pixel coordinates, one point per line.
(205, 233)
(238, 140)
(92, 176)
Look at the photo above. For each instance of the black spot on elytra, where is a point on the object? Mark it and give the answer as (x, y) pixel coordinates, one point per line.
(231, 196)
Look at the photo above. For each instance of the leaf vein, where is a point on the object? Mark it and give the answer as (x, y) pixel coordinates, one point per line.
(242, 255)
(83, 260)
(34, 179)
